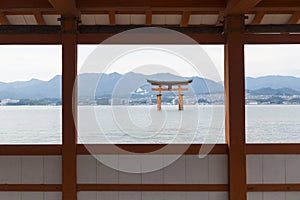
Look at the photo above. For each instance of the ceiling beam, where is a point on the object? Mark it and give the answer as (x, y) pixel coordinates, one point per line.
(148, 18)
(185, 18)
(220, 20)
(294, 18)
(112, 18)
(258, 18)
(39, 18)
(66, 7)
(240, 6)
(3, 19)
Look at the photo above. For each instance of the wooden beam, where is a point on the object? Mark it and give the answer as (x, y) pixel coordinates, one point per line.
(168, 5)
(96, 38)
(258, 18)
(3, 19)
(112, 18)
(148, 18)
(30, 187)
(69, 109)
(220, 20)
(277, 5)
(185, 18)
(192, 149)
(240, 6)
(294, 18)
(273, 148)
(152, 187)
(30, 39)
(235, 106)
(66, 7)
(39, 18)
(30, 150)
(273, 187)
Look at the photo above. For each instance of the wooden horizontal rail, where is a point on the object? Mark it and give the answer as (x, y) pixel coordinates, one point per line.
(273, 187)
(30, 149)
(272, 38)
(273, 149)
(31, 187)
(152, 187)
(27, 39)
(149, 187)
(147, 148)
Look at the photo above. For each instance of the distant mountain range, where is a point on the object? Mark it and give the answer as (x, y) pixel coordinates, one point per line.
(106, 85)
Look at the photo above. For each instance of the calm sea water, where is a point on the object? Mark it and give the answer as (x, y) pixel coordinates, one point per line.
(143, 124)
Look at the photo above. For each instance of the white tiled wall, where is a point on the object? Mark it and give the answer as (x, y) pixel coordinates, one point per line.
(272, 169)
(30, 196)
(152, 196)
(30, 169)
(188, 169)
(273, 196)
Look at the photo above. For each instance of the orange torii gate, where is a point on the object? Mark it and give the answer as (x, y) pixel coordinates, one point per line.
(169, 87)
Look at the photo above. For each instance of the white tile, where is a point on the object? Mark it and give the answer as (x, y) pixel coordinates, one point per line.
(53, 196)
(293, 169)
(197, 195)
(273, 169)
(292, 195)
(107, 166)
(152, 168)
(10, 169)
(218, 169)
(203, 19)
(129, 178)
(173, 19)
(52, 169)
(122, 19)
(32, 195)
(175, 172)
(152, 196)
(130, 163)
(30, 19)
(275, 18)
(107, 195)
(158, 19)
(86, 169)
(218, 196)
(195, 19)
(16, 19)
(274, 196)
(87, 195)
(249, 18)
(196, 169)
(88, 20)
(254, 196)
(51, 19)
(130, 196)
(137, 19)
(32, 170)
(102, 19)
(175, 196)
(254, 169)
(10, 196)
(130, 169)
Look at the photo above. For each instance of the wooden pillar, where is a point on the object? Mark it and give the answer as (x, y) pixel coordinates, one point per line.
(69, 105)
(159, 98)
(180, 98)
(235, 106)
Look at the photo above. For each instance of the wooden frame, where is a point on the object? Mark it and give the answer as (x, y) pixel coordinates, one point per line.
(232, 35)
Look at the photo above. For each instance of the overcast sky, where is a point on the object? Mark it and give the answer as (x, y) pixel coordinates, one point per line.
(19, 63)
